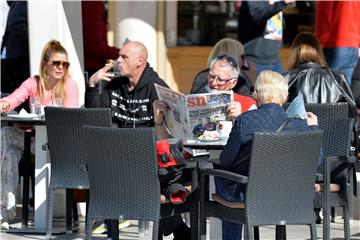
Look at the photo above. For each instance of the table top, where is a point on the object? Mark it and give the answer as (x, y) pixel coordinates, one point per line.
(24, 121)
(201, 144)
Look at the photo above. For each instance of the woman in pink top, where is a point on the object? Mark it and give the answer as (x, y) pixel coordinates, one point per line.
(52, 83)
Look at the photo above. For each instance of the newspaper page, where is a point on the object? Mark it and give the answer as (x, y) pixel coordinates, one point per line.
(190, 115)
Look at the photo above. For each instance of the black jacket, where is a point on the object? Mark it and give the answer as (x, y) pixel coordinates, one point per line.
(128, 108)
(319, 85)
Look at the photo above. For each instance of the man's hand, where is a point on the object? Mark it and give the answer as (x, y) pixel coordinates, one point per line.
(160, 108)
(4, 106)
(234, 110)
(101, 74)
(312, 119)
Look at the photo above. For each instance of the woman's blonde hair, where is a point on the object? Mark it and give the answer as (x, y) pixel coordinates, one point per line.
(271, 87)
(51, 48)
(306, 48)
(229, 47)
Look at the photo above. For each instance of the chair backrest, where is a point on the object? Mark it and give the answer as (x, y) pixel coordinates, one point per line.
(334, 120)
(123, 173)
(282, 174)
(64, 126)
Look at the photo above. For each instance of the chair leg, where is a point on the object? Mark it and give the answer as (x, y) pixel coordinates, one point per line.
(194, 226)
(256, 233)
(280, 232)
(49, 214)
(326, 223)
(69, 204)
(332, 215)
(26, 176)
(313, 234)
(249, 232)
(113, 228)
(88, 227)
(155, 232)
(346, 222)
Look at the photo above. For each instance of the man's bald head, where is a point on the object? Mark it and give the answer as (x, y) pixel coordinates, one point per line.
(138, 49)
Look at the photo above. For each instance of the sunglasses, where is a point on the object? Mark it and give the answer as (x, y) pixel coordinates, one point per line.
(229, 59)
(62, 63)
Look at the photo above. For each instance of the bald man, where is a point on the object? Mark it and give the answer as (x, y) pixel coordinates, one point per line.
(131, 95)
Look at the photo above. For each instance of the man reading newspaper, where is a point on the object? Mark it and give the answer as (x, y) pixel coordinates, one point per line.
(222, 77)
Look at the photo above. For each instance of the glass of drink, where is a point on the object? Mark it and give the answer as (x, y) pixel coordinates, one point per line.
(35, 105)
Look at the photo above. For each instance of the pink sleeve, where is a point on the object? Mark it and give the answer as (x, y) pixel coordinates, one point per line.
(72, 94)
(21, 93)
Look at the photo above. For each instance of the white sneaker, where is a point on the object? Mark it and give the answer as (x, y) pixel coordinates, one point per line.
(5, 226)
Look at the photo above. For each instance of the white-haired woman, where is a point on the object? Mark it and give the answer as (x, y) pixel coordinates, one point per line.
(271, 91)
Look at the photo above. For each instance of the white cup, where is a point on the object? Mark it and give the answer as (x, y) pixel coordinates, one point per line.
(224, 129)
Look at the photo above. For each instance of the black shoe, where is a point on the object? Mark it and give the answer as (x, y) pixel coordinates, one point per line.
(318, 218)
(183, 232)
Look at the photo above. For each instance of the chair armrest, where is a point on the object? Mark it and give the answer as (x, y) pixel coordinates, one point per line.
(225, 174)
(347, 159)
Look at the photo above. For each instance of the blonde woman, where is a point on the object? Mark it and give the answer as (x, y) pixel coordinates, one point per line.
(51, 84)
(234, 49)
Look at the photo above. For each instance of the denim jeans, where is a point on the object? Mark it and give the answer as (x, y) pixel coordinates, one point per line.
(230, 230)
(342, 59)
(276, 66)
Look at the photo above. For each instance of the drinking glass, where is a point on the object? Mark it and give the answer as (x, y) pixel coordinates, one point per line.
(35, 105)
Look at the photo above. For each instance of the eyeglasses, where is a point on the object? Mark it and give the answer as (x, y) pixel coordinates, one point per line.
(62, 63)
(229, 59)
(212, 77)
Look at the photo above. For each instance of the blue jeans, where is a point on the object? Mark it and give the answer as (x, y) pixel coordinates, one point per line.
(342, 59)
(276, 66)
(230, 230)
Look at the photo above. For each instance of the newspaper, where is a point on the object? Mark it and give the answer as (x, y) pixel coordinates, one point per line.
(297, 108)
(188, 116)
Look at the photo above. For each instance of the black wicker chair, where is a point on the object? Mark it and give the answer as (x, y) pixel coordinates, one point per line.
(123, 176)
(334, 120)
(280, 185)
(64, 127)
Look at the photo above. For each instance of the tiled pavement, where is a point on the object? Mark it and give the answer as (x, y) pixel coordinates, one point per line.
(129, 233)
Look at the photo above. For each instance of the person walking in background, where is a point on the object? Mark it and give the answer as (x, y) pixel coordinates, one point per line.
(338, 29)
(52, 83)
(260, 29)
(96, 48)
(15, 61)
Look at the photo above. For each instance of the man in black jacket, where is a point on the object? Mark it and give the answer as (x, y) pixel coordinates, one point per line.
(130, 98)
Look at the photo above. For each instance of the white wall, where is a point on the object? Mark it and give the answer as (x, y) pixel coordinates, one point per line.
(47, 21)
(136, 20)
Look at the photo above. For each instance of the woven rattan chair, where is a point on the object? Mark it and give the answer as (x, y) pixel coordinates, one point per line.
(64, 126)
(123, 180)
(280, 185)
(334, 120)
